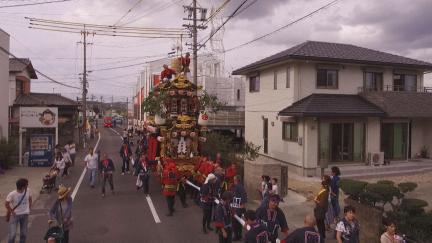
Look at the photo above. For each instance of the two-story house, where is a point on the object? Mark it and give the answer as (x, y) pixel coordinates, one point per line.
(321, 103)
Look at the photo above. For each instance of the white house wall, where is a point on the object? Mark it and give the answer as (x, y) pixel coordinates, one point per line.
(4, 82)
(373, 135)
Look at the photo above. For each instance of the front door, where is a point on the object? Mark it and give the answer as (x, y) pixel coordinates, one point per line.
(394, 140)
(342, 141)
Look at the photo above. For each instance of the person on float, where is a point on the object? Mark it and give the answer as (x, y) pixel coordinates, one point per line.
(167, 73)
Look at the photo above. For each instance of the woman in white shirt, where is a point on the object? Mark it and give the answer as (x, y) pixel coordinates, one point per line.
(274, 189)
(59, 163)
(390, 236)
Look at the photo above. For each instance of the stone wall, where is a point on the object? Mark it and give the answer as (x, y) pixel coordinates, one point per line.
(253, 170)
(370, 220)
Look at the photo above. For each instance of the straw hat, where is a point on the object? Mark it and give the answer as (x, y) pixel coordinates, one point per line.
(63, 191)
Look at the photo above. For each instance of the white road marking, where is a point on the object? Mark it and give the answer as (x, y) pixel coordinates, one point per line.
(77, 186)
(153, 210)
(149, 200)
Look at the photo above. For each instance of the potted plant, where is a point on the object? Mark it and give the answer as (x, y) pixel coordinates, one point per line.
(154, 104)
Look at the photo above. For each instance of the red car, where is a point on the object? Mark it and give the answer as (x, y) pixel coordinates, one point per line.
(108, 121)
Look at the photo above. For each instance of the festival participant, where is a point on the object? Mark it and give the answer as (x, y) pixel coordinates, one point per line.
(273, 217)
(107, 169)
(181, 190)
(307, 233)
(169, 181)
(125, 154)
(223, 218)
(167, 73)
(220, 184)
(207, 194)
(230, 173)
(238, 205)
(92, 164)
(143, 173)
(321, 206)
(258, 232)
(61, 211)
(185, 62)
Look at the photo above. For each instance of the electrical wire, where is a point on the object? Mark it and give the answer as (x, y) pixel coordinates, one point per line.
(37, 71)
(153, 10)
(31, 4)
(222, 25)
(285, 26)
(130, 10)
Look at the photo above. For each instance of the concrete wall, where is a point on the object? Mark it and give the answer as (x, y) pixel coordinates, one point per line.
(4, 83)
(253, 171)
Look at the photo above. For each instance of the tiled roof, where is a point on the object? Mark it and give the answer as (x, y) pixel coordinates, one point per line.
(47, 99)
(332, 105)
(20, 64)
(402, 104)
(335, 52)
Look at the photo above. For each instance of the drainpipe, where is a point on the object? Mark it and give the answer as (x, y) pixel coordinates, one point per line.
(303, 145)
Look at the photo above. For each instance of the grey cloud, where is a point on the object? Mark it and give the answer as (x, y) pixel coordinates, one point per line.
(258, 8)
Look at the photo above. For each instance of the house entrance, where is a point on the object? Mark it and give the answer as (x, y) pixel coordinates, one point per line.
(394, 137)
(342, 140)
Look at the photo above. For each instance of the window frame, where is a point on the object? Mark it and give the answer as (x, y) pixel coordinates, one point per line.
(288, 78)
(238, 94)
(291, 127)
(327, 81)
(374, 80)
(19, 87)
(256, 87)
(275, 80)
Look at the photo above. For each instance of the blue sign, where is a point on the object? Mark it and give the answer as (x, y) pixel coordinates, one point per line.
(41, 150)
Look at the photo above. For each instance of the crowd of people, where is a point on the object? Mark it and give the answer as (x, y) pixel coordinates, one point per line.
(214, 185)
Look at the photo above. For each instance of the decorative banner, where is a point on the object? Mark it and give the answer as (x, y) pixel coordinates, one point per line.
(36, 117)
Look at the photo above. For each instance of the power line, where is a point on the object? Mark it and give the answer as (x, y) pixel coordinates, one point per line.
(231, 16)
(39, 72)
(153, 10)
(31, 4)
(285, 26)
(130, 10)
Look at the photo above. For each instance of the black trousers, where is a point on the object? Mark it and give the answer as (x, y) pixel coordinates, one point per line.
(170, 202)
(229, 236)
(237, 228)
(65, 236)
(125, 166)
(207, 217)
(321, 229)
(145, 180)
(182, 195)
(109, 178)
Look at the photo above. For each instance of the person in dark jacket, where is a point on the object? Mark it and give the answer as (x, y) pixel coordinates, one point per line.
(181, 191)
(238, 204)
(223, 218)
(61, 212)
(143, 172)
(106, 170)
(273, 217)
(334, 191)
(125, 154)
(257, 232)
(321, 206)
(306, 234)
(207, 197)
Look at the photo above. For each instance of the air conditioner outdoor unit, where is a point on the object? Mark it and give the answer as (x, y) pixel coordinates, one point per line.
(375, 158)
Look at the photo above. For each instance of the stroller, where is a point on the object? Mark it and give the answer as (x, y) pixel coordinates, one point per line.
(54, 234)
(49, 180)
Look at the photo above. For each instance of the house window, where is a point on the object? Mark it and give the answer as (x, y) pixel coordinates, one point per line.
(327, 79)
(238, 94)
(373, 81)
(254, 83)
(289, 131)
(404, 82)
(275, 80)
(19, 87)
(288, 78)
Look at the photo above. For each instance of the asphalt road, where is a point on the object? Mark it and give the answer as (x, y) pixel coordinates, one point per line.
(125, 216)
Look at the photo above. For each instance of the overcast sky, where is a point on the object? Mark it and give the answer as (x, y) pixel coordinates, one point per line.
(396, 26)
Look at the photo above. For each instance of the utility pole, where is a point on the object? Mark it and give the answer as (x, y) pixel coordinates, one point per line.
(84, 92)
(192, 15)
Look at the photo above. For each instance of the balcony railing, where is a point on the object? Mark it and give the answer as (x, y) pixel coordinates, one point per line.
(396, 88)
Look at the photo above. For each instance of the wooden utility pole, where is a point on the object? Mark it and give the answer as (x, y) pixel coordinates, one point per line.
(84, 91)
(192, 16)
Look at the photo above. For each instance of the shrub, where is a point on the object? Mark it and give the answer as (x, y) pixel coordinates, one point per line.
(387, 182)
(413, 206)
(381, 193)
(407, 186)
(353, 188)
